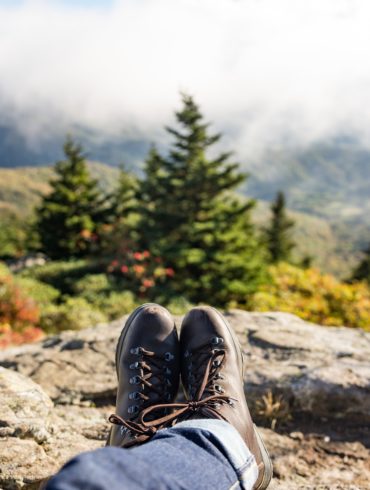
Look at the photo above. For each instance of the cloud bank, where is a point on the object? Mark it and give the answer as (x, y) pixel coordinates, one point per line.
(264, 71)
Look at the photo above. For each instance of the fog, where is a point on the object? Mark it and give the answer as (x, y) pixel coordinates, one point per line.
(264, 71)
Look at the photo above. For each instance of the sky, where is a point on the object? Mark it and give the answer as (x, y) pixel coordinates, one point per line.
(265, 72)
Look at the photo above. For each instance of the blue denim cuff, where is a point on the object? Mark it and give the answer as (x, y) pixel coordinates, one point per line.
(235, 449)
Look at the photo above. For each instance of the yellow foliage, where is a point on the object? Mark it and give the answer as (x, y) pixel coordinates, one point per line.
(316, 297)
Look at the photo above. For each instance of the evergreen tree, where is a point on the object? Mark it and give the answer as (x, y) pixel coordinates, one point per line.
(123, 199)
(278, 234)
(362, 271)
(119, 232)
(190, 217)
(68, 217)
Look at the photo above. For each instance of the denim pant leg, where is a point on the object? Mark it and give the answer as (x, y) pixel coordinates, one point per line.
(198, 454)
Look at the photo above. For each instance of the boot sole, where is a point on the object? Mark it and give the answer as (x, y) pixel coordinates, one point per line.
(267, 475)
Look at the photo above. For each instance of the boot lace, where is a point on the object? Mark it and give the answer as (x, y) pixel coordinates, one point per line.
(152, 377)
(205, 393)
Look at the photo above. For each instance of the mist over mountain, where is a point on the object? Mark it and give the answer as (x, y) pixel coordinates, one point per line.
(17, 151)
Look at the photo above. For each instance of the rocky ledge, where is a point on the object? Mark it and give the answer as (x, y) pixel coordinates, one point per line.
(309, 383)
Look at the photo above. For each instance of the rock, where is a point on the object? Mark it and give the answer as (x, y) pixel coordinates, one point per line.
(36, 437)
(24, 407)
(56, 396)
(323, 371)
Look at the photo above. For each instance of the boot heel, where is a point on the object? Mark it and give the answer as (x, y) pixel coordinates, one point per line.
(266, 461)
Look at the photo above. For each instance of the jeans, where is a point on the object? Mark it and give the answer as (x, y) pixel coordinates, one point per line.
(196, 454)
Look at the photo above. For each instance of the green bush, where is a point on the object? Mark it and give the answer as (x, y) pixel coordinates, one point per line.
(42, 293)
(92, 286)
(316, 297)
(179, 306)
(73, 314)
(62, 275)
(117, 304)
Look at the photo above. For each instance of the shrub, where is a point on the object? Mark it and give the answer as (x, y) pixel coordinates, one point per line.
(315, 297)
(19, 313)
(92, 286)
(16, 308)
(73, 314)
(179, 306)
(42, 293)
(62, 274)
(8, 337)
(142, 273)
(117, 304)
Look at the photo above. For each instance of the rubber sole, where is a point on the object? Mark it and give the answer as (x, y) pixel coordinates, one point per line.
(267, 475)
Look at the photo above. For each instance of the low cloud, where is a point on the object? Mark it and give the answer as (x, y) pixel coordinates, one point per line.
(264, 71)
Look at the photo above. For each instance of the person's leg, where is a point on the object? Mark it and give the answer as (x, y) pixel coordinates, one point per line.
(215, 446)
(194, 454)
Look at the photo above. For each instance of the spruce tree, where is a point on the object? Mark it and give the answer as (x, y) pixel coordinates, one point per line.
(279, 233)
(123, 198)
(191, 218)
(119, 232)
(68, 217)
(362, 271)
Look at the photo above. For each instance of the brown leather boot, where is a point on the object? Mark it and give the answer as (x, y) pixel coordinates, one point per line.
(212, 375)
(147, 364)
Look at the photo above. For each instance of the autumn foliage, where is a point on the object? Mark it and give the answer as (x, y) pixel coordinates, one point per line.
(316, 297)
(19, 314)
(142, 272)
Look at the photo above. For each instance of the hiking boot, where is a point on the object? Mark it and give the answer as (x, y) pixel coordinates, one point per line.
(212, 375)
(147, 364)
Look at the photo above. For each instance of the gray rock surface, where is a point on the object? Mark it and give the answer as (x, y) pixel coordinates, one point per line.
(312, 381)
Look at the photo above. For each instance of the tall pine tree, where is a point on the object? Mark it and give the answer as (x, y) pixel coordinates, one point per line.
(119, 232)
(123, 198)
(68, 217)
(192, 219)
(279, 233)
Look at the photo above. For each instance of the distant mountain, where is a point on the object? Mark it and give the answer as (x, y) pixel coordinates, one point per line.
(329, 179)
(16, 151)
(21, 188)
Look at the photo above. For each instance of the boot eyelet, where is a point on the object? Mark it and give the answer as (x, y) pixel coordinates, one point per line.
(135, 350)
(219, 389)
(187, 354)
(168, 356)
(133, 409)
(217, 340)
(135, 365)
(216, 363)
(135, 380)
(134, 395)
